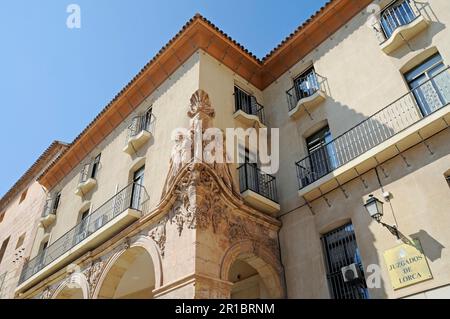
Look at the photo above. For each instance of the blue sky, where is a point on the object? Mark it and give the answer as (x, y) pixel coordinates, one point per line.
(55, 80)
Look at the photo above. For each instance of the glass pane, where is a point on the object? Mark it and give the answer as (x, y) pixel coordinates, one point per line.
(442, 85)
(421, 69)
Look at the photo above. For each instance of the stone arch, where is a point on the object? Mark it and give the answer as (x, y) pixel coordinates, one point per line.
(75, 287)
(258, 257)
(144, 245)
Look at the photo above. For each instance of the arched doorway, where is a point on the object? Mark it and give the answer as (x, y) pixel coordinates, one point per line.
(247, 283)
(254, 272)
(75, 287)
(130, 276)
(70, 293)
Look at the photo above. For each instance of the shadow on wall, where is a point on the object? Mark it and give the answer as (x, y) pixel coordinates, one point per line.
(431, 247)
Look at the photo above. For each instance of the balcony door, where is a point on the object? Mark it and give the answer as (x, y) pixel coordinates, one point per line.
(429, 83)
(136, 192)
(396, 15)
(321, 153)
(146, 120)
(82, 227)
(306, 84)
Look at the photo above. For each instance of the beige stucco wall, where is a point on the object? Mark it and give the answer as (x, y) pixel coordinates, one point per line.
(360, 80)
(21, 219)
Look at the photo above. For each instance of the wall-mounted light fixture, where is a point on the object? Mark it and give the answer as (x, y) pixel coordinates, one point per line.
(375, 209)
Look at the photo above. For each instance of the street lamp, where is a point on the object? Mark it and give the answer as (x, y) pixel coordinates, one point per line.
(375, 209)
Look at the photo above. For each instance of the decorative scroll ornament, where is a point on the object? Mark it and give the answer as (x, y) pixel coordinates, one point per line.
(47, 293)
(94, 272)
(239, 230)
(158, 234)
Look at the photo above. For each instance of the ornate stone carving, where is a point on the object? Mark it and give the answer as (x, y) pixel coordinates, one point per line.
(198, 202)
(47, 293)
(200, 104)
(158, 234)
(186, 150)
(239, 230)
(94, 272)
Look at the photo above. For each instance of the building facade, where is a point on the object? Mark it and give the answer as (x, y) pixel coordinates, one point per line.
(21, 208)
(360, 95)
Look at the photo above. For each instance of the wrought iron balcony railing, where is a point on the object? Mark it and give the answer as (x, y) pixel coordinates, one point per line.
(412, 107)
(399, 14)
(252, 178)
(48, 209)
(134, 196)
(85, 173)
(248, 104)
(141, 123)
(304, 87)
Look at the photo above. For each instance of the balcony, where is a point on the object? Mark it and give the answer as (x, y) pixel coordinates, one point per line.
(87, 180)
(109, 219)
(139, 132)
(308, 91)
(419, 114)
(48, 216)
(258, 189)
(248, 111)
(399, 23)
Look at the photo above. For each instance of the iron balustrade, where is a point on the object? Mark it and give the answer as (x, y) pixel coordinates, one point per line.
(141, 123)
(134, 196)
(248, 104)
(304, 87)
(412, 107)
(48, 209)
(399, 14)
(252, 178)
(85, 173)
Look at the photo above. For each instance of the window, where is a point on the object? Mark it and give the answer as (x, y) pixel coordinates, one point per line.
(56, 203)
(429, 84)
(447, 177)
(23, 196)
(138, 182)
(20, 241)
(3, 248)
(42, 253)
(82, 227)
(321, 153)
(146, 120)
(95, 166)
(2, 216)
(243, 100)
(44, 246)
(306, 84)
(341, 250)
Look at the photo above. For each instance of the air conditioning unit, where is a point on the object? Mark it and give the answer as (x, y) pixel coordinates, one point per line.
(351, 273)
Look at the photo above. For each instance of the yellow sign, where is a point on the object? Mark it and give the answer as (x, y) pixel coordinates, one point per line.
(406, 265)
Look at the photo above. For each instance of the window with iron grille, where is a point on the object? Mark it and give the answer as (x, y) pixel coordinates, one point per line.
(341, 250)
